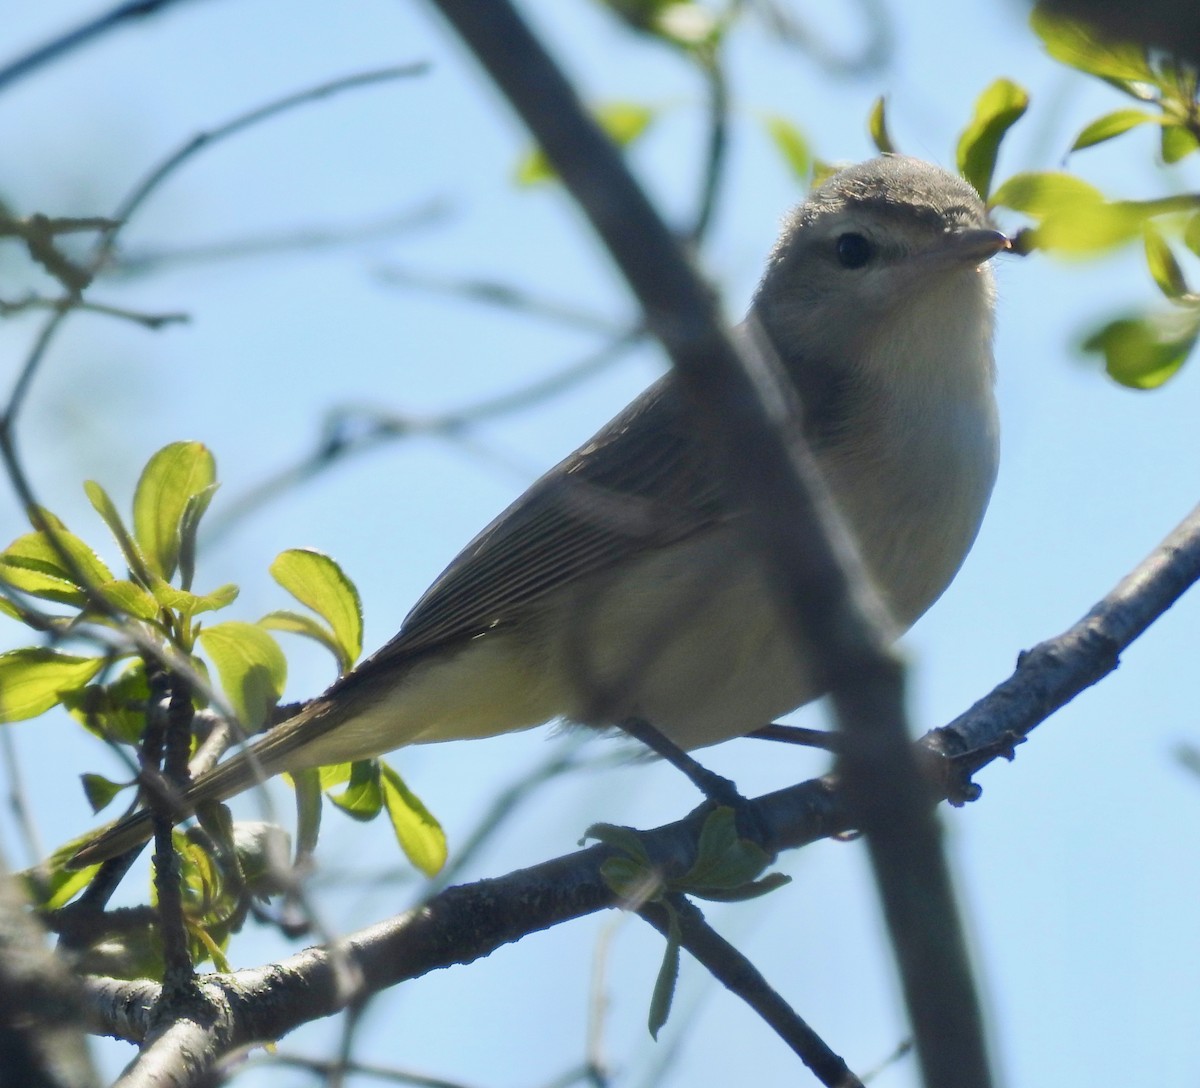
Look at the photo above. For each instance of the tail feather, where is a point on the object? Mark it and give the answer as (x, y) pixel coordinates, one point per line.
(269, 756)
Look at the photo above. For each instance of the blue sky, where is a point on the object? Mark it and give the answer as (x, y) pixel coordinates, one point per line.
(1078, 868)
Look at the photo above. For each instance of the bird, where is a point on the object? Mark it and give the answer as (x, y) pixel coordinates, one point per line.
(621, 586)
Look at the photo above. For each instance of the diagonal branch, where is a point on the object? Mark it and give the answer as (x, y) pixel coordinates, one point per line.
(469, 921)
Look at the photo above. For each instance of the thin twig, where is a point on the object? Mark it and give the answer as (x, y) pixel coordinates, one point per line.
(64, 43)
(738, 975)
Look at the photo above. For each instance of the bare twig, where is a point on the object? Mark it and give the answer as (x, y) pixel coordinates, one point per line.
(309, 239)
(58, 47)
(349, 431)
(737, 974)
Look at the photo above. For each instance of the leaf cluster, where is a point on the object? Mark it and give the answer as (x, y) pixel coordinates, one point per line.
(148, 622)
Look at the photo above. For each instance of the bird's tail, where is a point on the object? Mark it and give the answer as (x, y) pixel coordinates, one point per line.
(273, 753)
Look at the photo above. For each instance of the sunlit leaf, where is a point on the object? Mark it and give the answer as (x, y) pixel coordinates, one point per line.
(251, 667)
(167, 484)
(1163, 266)
(33, 564)
(308, 809)
(877, 126)
(1077, 46)
(789, 141)
(51, 884)
(1112, 124)
(1178, 141)
(106, 508)
(297, 624)
(189, 525)
(1145, 351)
(1039, 193)
(997, 109)
(192, 604)
(33, 679)
(128, 597)
(417, 831)
(363, 796)
(317, 581)
(624, 122)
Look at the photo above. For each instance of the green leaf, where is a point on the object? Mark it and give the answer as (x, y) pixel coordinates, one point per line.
(1041, 193)
(192, 604)
(790, 143)
(33, 679)
(997, 109)
(100, 790)
(128, 597)
(1077, 46)
(1178, 141)
(106, 508)
(308, 810)
(168, 483)
(297, 624)
(33, 564)
(1144, 352)
(363, 797)
(52, 885)
(417, 831)
(727, 867)
(1112, 124)
(878, 128)
(189, 525)
(624, 122)
(1162, 264)
(315, 580)
(251, 666)
(113, 711)
(1191, 234)
(668, 976)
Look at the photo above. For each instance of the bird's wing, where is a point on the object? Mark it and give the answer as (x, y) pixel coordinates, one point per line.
(641, 483)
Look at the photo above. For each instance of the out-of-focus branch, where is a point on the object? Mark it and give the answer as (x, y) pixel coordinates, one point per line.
(41, 1014)
(744, 404)
(63, 44)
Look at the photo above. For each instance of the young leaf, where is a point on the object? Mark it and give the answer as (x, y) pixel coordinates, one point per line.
(308, 810)
(168, 482)
(1191, 234)
(363, 797)
(100, 790)
(106, 508)
(1162, 264)
(1112, 124)
(1178, 141)
(1146, 351)
(251, 666)
(1039, 193)
(790, 143)
(1077, 46)
(624, 122)
(417, 831)
(33, 564)
(316, 580)
(878, 128)
(35, 678)
(997, 109)
(128, 597)
(113, 711)
(191, 604)
(668, 976)
(189, 525)
(297, 624)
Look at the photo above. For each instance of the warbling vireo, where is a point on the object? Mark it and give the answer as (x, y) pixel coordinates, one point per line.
(619, 585)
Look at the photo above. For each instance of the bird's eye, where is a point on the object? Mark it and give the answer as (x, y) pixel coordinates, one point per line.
(853, 250)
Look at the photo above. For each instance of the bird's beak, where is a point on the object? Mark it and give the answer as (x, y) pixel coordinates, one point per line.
(971, 246)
